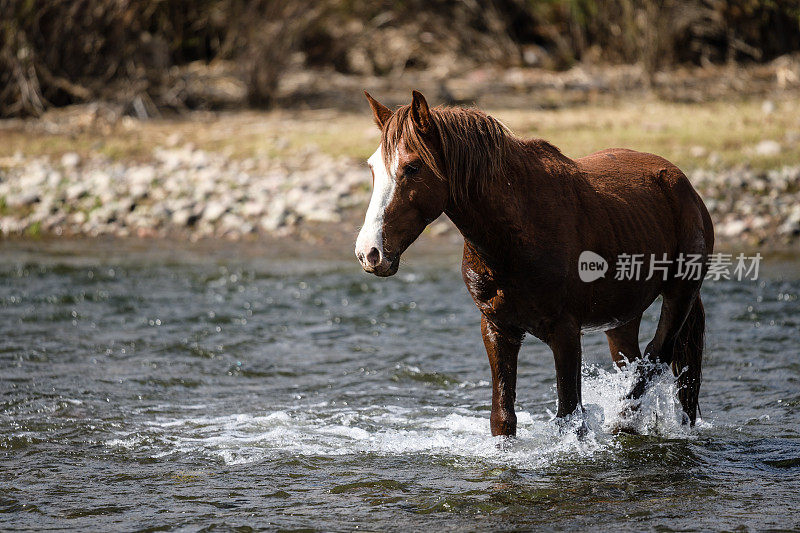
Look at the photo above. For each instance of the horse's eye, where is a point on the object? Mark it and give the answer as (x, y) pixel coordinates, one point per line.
(410, 170)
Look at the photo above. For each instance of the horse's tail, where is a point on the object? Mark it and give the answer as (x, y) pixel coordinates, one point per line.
(687, 358)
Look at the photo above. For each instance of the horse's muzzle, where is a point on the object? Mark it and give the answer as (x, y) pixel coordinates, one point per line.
(379, 264)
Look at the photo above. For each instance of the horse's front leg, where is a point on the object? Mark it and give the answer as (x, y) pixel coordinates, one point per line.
(565, 341)
(502, 345)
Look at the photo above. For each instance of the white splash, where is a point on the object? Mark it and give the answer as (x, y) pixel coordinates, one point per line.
(463, 434)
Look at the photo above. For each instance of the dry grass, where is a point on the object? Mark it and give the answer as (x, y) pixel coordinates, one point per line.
(691, 135)
(719, 134)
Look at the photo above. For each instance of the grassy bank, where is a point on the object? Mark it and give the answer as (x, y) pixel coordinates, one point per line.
(693, 135)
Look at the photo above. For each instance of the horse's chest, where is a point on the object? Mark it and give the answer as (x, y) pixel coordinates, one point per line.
(504, 302)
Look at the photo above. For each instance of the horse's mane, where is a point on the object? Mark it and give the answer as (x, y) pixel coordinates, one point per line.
(476, 148)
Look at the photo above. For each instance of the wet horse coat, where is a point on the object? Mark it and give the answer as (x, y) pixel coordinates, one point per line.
(527, 212)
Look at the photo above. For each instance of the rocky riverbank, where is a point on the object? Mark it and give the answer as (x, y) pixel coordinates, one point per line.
(184, 191)
(181, 190)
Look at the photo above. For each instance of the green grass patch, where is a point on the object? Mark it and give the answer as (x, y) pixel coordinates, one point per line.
(34, 230)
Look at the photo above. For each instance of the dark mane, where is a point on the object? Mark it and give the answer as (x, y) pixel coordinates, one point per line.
(476, 148)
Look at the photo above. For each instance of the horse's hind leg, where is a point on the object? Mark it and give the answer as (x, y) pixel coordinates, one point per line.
(679, 297)
(679, 341)
(623, 341)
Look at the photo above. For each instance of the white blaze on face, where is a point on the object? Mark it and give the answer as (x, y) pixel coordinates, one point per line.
(371, 234)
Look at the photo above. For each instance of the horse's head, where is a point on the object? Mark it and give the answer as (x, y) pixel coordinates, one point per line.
(408, 191)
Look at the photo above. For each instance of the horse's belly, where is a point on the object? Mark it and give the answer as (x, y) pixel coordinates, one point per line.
(604, 326)
(616, 303)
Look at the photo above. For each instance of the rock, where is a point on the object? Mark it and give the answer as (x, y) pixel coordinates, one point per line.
(734, 228)
(316, 208)
(768, 107)
(54, 178)
(209, 194)
(322, 215)
(789, 228)
(277, 216)
(75, 191)
(759, 222)
(213, 211)
(70, 160)
(182, 217)
(22, 199)
(252, 209)
(794, 214)
(698, 151)
(54, 221)
(43, 209)
(10, 226)
(230, 222)
(767, 148)
(100, 179)
(141, 174)
(172, 159)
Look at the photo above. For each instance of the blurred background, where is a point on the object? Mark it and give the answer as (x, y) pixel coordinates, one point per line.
(274, 89)
(156, 55)
(188, 342)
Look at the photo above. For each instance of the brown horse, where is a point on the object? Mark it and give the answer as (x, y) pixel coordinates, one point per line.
(527, 212)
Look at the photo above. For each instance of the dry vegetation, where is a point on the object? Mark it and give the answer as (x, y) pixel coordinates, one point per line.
(694, 135)
(155, 55)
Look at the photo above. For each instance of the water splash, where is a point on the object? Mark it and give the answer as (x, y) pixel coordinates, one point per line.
(657, 413)
(462, 435)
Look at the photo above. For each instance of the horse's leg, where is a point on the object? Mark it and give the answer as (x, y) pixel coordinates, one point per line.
(565, 342)
(678, 342)
(502, 346)
(623, 341)
(674, 310)
(678, 299)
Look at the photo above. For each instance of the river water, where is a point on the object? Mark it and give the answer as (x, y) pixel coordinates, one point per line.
(255, 389)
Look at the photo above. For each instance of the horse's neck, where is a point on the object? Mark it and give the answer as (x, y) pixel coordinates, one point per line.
(490, 221)
(503, 221)
(488, 230)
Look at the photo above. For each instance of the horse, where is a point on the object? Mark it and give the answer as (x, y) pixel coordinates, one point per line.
(528, 214)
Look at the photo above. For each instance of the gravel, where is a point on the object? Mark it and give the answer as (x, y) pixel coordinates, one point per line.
(184, 190)
(181, 190)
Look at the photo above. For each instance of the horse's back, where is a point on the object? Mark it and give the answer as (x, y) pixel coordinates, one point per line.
(651, 189)
(622, 169)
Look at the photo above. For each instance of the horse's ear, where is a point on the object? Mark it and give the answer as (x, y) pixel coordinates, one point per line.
(420, 113)
(380, 112)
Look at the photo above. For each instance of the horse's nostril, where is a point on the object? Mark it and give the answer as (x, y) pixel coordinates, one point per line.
(373, 257)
